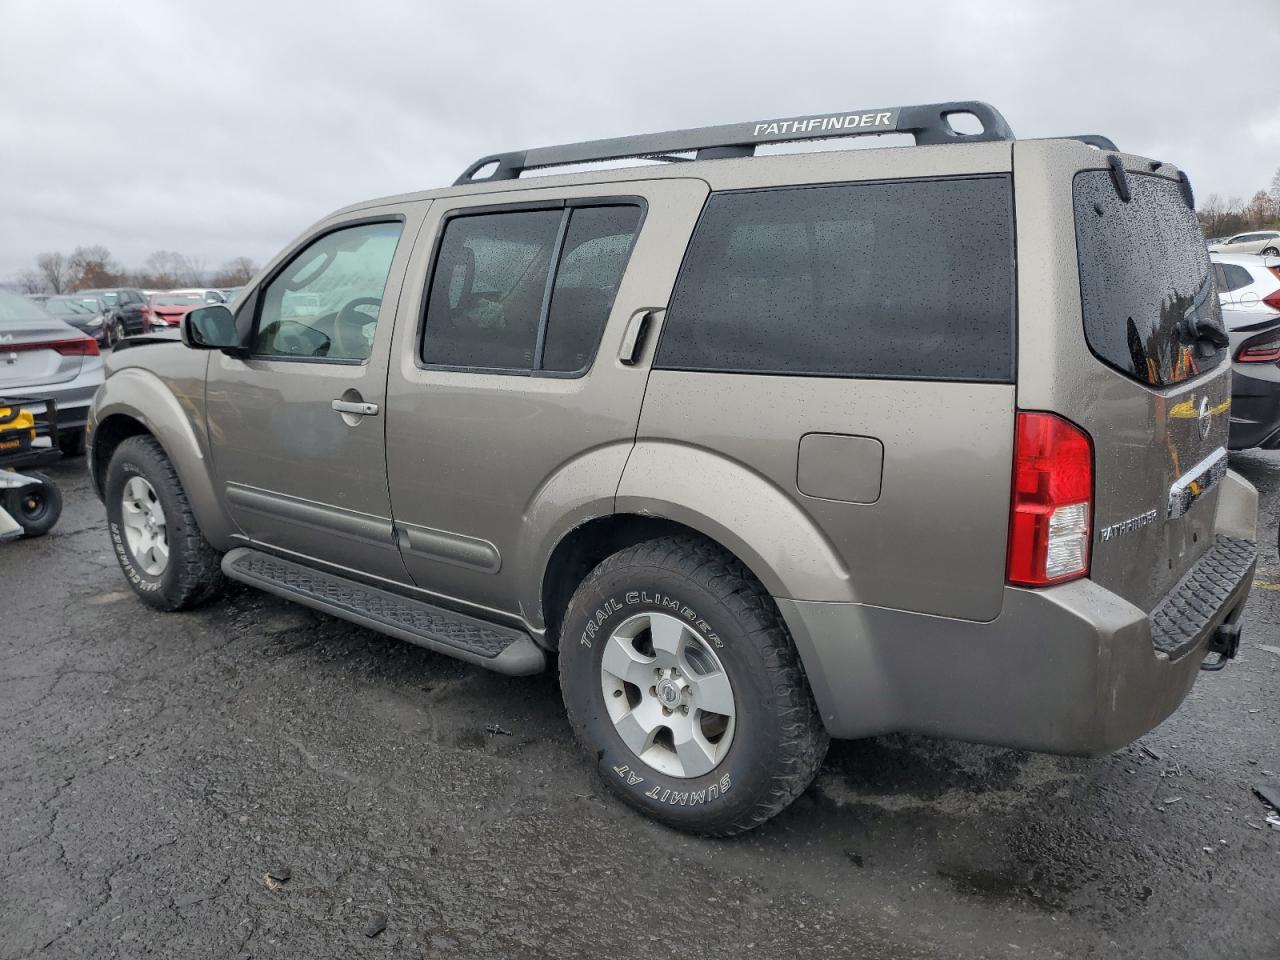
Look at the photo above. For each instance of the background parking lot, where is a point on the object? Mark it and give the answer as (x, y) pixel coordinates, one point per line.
(154, 769)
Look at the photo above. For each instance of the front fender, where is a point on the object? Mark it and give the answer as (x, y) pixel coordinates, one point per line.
(743, 511)
(174, 416)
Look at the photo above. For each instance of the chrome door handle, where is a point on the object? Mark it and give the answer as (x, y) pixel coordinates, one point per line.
(356, 407)
(634, 336)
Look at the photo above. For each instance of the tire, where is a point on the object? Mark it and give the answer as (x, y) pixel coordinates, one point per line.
(190, 573)
(1271, 252)
(35, 508)
(71, 442)
(775, 739)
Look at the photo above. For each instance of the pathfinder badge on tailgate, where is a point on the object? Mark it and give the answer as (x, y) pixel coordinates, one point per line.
(1127, 526)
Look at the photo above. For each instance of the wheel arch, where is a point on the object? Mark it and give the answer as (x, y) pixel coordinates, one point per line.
(135, 402)
(749, 514)
(580, 550)
(108, 434)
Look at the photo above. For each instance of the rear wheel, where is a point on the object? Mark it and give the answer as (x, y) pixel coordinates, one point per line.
(160, 548)
(35, 507)
(680, 678)
(1271, 252)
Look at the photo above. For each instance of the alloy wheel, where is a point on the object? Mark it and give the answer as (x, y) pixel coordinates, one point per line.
(144, 526)
(668, 695)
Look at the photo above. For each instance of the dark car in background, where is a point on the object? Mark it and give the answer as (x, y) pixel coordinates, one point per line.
(126, 303)
(89, 315)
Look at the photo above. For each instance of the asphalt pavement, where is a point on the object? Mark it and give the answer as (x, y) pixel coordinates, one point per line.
(254, 779)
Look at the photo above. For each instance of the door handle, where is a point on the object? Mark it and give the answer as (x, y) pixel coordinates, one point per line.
(355, 407)
(633, 337)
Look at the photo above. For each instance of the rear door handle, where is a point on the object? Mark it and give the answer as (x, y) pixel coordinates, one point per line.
(356, 407)
(633, 337)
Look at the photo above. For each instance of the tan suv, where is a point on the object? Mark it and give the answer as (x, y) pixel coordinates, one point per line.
(766, 448)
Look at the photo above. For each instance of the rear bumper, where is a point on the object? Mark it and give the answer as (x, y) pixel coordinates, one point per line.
(73, 401)
(1255, 406)
(1073, 669)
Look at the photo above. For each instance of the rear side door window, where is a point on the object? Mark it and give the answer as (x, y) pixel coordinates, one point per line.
(527, 291)
(910, 279)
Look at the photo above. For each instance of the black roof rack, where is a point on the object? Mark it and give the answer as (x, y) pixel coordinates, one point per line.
(928, 122)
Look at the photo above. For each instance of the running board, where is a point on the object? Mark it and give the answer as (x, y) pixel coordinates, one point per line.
(488, 645)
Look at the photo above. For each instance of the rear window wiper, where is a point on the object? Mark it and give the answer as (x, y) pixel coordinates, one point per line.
(1192, 330)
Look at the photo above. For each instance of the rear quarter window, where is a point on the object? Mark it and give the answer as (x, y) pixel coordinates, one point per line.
(908, 279)
(1143, 269)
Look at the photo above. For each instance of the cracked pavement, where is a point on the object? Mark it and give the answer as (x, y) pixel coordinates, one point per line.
(154, 767)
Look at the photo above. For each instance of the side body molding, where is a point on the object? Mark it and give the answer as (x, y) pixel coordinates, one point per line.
(174, 414)
(740, 509)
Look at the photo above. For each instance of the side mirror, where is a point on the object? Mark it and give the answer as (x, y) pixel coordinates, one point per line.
(210, 328)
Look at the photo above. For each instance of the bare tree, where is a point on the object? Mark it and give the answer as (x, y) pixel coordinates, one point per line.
(92, 266)
(54, 272)
(1275, 187)
(1260, 210)
(32, 281)
(192, 271)
(235, 273)
(1212, 209)
(160, 270)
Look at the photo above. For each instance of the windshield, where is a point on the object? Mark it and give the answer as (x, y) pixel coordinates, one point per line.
(73, 306)
(176, 300)
(15, 308)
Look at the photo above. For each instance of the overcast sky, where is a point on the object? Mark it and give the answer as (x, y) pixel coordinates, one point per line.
(222, 128)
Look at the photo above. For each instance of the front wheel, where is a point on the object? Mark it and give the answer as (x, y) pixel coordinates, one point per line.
(161, 550)
(680, 678)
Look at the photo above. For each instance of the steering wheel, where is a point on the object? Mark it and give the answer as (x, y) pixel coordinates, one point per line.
(349, 342)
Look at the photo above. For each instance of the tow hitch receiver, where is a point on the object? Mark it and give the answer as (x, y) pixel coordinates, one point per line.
(1225, 643)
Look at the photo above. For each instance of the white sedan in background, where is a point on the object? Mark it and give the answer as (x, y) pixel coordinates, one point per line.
(1265, 242)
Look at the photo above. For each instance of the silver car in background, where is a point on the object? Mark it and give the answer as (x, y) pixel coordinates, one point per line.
(43, 357)
(1265, 242)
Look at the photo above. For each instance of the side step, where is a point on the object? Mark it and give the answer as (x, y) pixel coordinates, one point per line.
(485, 644)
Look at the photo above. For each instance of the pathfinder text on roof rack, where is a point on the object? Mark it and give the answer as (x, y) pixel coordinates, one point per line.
(884, 119)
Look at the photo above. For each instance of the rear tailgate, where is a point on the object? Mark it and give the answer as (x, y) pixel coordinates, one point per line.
(1112, 295)
(26, 361)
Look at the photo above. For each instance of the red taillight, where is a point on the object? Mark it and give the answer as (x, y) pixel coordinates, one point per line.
(1052, 510)
(80, 347)
(1272, 299)
(88, 347)
(1264, 348)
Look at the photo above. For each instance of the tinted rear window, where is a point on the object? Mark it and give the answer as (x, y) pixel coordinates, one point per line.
(1230, 277)
(905, 279)
(1143, 270)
